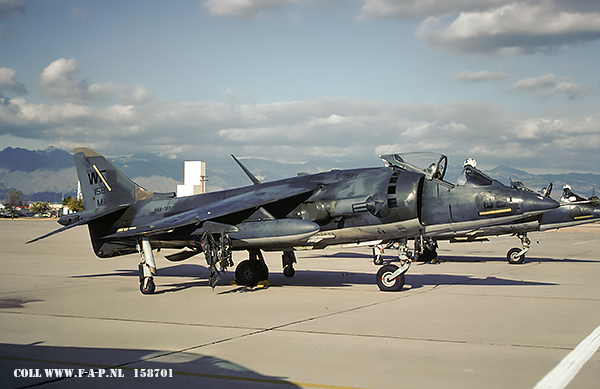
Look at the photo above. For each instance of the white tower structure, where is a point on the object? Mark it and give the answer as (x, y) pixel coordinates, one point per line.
(194, 179)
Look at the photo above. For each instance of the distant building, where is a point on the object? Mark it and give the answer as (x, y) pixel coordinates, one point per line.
(194, 179)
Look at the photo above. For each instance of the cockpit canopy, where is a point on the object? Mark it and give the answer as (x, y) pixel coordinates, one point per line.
(436, 164)
(473, 176)
(568, 196)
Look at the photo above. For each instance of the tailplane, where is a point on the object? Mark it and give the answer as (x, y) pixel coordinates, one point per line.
(103, 186)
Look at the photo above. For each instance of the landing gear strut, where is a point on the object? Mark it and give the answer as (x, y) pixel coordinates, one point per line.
(425, 249)
(378, 255)
(399, 244)
(287, 260)
(516, 255)
(147, 267)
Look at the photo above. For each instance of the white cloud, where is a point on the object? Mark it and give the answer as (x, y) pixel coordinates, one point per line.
(547, 86)
(336, 129)
(410, 9)
(8, 82)
(481, 76)
(521, 27)
(246, 8)
(59, 79)
(547, 80)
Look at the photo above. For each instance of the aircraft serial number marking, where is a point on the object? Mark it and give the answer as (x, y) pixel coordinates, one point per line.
(163, 209)
(100, 191)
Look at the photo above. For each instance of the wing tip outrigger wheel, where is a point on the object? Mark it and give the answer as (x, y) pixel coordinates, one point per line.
(147, 267)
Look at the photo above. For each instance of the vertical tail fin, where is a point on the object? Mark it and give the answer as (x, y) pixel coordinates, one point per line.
(103, 186)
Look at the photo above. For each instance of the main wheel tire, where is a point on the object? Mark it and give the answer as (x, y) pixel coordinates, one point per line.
(512, 257)
(249, 272)
(389, 285)
(147, 287)
(289, 271)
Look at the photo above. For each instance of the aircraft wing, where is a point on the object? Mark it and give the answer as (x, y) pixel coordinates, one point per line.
(245, 201)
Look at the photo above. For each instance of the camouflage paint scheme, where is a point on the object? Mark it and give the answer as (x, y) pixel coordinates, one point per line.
(312, 211)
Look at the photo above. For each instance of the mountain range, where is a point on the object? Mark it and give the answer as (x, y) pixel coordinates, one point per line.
(49, 175)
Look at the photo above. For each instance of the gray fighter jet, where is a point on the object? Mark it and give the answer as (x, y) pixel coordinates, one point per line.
(573, 210)
(305, 212)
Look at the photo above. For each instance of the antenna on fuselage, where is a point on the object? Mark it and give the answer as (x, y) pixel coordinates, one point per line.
(251, 176)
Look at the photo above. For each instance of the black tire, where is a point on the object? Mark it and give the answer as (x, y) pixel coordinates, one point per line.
(393, 285)
(378, 260)
(249, 273)
(512, 257)
(149, 287)
(289, 271)
(427, 255)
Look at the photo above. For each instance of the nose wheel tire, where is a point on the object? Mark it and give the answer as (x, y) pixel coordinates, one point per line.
(513, 258)
(386, 283)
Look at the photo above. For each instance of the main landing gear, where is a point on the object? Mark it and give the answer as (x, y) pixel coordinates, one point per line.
(425, 249)
(254, 269)
(516, 255)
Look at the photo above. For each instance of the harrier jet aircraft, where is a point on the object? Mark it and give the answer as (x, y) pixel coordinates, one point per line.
(573, 210)
(305, 212)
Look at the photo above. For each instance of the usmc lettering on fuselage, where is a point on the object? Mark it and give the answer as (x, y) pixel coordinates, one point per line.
(106, 201)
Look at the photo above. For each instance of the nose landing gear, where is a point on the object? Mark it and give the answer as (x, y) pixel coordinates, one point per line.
(516, 255)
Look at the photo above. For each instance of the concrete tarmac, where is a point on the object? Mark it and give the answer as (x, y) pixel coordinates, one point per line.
(469, 321)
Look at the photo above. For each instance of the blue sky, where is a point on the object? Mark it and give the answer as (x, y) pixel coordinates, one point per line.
(506, 82)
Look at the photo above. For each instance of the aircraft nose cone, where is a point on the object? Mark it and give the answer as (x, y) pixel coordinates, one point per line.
(536, 202)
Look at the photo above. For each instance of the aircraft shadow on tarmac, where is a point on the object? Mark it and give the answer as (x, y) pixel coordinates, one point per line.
(187, 369)
(197, 276)
(453, 258)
